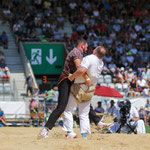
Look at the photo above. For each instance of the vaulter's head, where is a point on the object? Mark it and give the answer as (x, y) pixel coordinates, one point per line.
(99, 52)
(82, 45)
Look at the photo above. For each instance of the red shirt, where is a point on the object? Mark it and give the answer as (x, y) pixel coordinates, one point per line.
(69, 66)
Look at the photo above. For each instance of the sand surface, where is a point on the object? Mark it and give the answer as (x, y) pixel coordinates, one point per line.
(25, 138)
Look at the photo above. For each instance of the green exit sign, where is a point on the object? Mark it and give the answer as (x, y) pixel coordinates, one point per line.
(45, 58)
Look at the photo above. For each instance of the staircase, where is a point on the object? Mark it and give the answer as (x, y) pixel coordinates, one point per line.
(67, 29)
(13, 61)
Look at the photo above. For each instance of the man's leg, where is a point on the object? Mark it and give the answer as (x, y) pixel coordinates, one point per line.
(64, 89)
(140, 127)
(93, 117)
(84, 109)
(68, 117)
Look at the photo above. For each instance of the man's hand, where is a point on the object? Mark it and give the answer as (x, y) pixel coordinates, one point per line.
(88, 83)
(70, 77)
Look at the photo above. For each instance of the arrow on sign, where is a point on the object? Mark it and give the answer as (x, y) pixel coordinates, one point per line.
(50, 59)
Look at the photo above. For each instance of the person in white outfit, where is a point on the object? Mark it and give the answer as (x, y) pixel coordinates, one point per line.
(92, 65)
(134, 121)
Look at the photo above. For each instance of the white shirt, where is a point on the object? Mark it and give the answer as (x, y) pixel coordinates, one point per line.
(72, 5)
(146, 91)
(130, 59)
(133, 113)
(133, 35)
(96, 13)
(138, 28)
(134, 51)
(130, 76)
(112, 66)
(141, 83)
(94, 67)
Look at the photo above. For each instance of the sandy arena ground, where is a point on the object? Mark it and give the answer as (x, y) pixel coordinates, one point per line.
(20, 138)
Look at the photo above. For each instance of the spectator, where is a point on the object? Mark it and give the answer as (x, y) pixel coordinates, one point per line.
(141, 84)
(6, 74)
(72, 5)
(33, 107)
(136, 121)
(143, 115)
(55, 98)
(16, 27)
(30, 85)
(132, 88)
(112, 65)
(50, 95)
(112, 110)
(147, 104)
(61, 21)
(2, 64)
(130, 75)
(1, 56)
(35, 94)
(4, 40)
(146, 91)
(133, 50)
(2, 118)
(99, 108)
(57, 34)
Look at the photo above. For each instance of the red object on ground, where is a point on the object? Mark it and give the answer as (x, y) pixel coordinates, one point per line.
(107, 92)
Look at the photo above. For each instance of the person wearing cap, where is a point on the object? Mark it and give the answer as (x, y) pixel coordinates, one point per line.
(99, 108)
(130, 75)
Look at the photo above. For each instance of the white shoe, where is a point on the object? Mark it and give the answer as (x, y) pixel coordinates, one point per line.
(71, 135)
(44, 133)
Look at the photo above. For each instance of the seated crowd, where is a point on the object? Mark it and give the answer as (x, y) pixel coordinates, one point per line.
(125, 34)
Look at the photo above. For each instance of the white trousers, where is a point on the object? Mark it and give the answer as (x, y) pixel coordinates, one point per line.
(140, 127)
(84, 109)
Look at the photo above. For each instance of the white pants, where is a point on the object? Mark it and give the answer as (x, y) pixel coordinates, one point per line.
(140, 127)
(84, 109)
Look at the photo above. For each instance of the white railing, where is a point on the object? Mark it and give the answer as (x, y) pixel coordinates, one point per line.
(26, 63)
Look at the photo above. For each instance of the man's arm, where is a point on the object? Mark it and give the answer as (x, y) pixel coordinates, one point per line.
(80, 72)
(135, 119)
(85, 76)
(77, 63)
